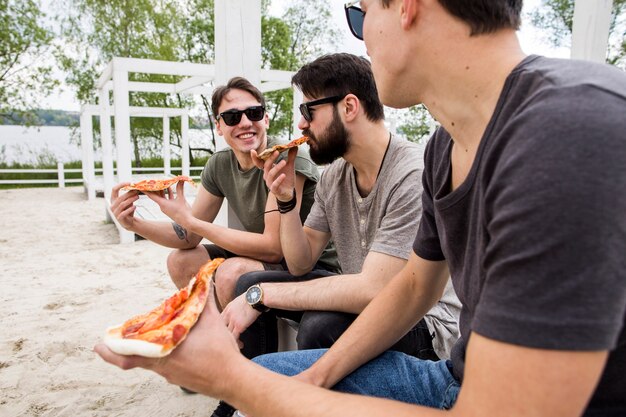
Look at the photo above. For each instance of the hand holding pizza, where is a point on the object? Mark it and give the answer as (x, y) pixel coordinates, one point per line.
(280, 178)
(122, 206)
(173, 206)
(209, 350)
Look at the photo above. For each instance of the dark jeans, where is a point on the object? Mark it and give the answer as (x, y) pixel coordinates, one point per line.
(317, 329)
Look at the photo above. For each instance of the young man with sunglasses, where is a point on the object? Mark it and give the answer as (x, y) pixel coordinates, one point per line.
(239, 110)
(523, 204)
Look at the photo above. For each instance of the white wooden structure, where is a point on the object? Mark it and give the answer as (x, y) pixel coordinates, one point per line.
(238, 53)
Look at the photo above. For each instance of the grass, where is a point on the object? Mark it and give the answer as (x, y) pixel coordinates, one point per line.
(145, 163)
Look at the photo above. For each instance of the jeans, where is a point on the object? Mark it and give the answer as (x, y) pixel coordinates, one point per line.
(317, 329)
(392, 375)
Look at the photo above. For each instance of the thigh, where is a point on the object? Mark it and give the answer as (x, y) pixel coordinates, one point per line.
(392, 375)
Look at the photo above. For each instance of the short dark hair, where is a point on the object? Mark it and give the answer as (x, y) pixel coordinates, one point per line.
(483, 16)
(339, 75)
(235, 83)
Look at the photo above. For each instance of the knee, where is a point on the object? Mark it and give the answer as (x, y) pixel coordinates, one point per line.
(289, 363)
(320, 329)
(178, 268)
(229, 273)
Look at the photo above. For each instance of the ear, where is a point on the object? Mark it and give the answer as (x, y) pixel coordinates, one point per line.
(351, 107)
(408, 13)
(218, 128)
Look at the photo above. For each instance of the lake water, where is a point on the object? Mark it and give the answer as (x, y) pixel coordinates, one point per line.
(27, 145)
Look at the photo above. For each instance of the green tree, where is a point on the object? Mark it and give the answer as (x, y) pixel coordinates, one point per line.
(95, 31)
(557, 16)
(24, 71)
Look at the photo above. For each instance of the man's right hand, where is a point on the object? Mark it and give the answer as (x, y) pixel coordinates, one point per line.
(122, 206)
(280, 178)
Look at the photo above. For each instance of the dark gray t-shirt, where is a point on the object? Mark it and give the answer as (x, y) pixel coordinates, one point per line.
(535, 237)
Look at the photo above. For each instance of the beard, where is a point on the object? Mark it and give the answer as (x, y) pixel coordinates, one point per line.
(331, 144)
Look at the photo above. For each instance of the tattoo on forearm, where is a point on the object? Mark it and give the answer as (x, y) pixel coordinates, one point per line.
(181, 232)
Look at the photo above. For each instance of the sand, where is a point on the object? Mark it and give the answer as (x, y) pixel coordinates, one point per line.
(63, 279)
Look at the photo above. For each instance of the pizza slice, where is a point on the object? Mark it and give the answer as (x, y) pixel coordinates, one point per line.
(282, 148)
(157, 185)
(158, 332)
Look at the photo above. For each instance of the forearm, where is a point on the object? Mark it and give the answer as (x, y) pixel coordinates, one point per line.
(263, 247)
(392, 313)
(269, 394)
(295, 244)
(166, 234)
(344, 293)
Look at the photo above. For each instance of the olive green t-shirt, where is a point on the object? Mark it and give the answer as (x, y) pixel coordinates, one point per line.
(246, 191)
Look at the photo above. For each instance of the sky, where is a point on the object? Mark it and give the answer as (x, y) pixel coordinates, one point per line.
(530, 38)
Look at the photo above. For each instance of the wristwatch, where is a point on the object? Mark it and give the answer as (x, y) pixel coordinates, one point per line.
(254, 297)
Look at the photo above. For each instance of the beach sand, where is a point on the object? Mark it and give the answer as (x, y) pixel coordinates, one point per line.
(63, 280)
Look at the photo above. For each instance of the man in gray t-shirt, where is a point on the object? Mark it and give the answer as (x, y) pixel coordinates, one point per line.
(367, 201)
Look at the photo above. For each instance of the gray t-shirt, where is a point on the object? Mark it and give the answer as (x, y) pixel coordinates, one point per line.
(246, 191)
(535, 237)
(385, 221)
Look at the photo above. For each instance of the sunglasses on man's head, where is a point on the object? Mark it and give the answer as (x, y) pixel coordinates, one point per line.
(305, 108)
(233, 117)
(355, 18)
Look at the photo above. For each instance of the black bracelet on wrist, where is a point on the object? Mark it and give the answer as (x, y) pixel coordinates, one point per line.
(287, 206)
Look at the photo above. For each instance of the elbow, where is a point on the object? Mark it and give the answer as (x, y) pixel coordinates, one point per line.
(296, 270)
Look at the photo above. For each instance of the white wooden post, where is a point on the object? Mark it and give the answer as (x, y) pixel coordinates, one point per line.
(86, 140)
(107, 143)
(237, 40)
(61, 175)
(167, 166)
(590, 32)
(122, 133)
(184, 132)
(122, 123)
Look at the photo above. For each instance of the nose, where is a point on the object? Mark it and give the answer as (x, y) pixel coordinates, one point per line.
(303, 123)
(244, 120)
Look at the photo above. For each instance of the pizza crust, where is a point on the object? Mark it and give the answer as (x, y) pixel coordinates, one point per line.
(114, 341)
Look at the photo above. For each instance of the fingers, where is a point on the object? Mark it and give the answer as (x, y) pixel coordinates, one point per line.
(258, 162)
(115, 192)
(121, 361)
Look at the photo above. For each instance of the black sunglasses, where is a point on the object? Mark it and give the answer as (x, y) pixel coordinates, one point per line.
(355, 18)
(305, 108)
(233, 117)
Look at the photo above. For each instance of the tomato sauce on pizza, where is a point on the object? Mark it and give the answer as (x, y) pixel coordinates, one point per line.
(156, 333)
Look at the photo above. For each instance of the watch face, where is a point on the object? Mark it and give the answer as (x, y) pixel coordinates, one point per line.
(253, 295)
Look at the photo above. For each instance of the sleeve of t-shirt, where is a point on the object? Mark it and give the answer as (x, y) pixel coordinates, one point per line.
(399, 224)
(317, 218)
(209, 175)
(556, 211)
(427, 245)
(304, 165)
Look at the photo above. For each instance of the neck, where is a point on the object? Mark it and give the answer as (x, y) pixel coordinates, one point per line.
(367, 150)
(464, 90)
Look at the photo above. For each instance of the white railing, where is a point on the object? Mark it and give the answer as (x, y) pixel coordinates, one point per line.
(61, 171)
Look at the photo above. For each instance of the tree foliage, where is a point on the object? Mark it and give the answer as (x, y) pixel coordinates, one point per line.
(557, 16)
(24, 71)
(178, 30)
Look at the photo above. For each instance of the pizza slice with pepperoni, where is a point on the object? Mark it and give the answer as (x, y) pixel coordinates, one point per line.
(156, 333)
(282, 148)
(157, 185)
